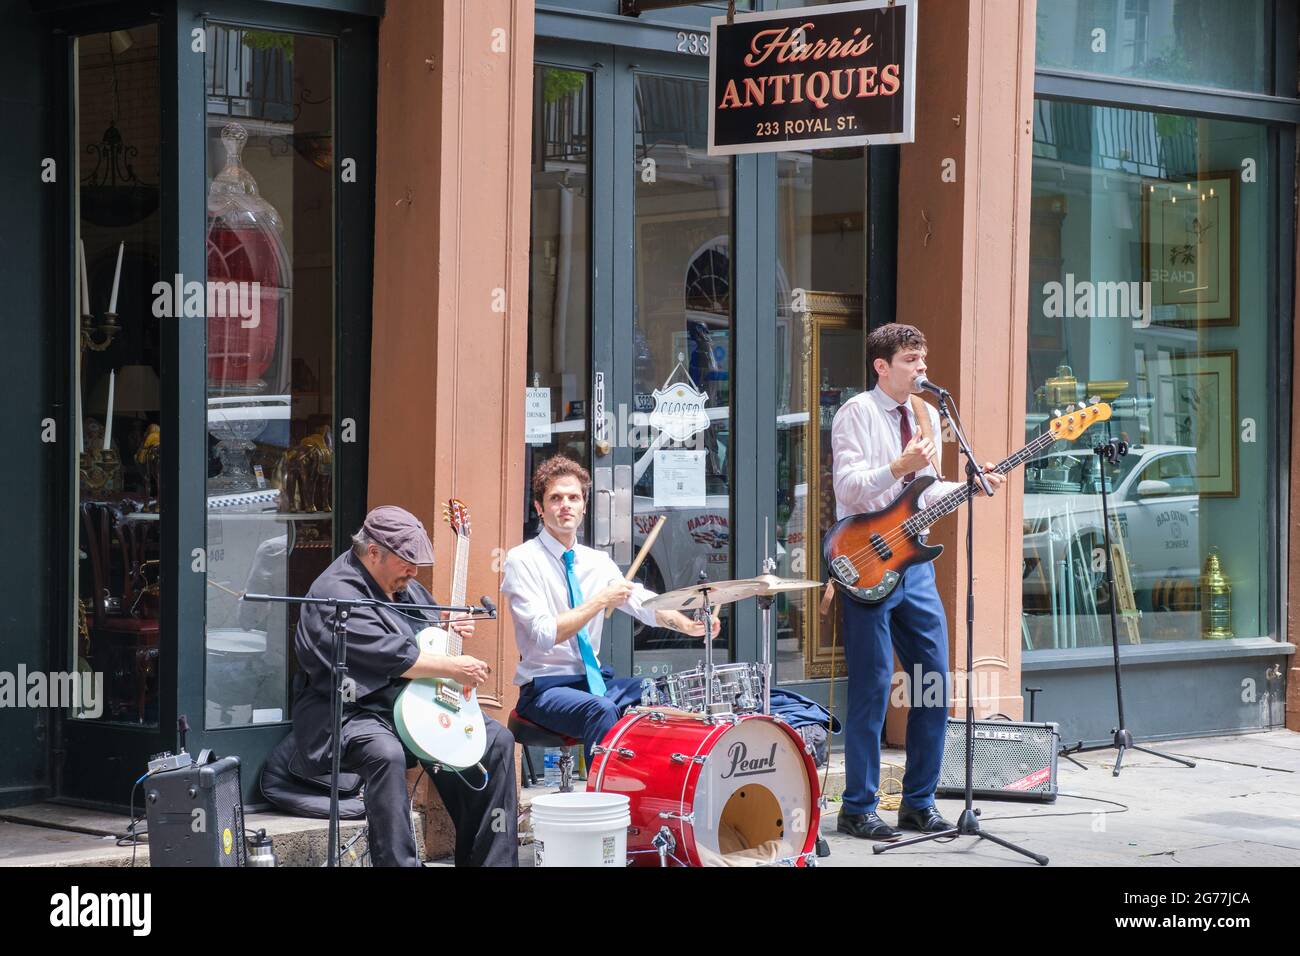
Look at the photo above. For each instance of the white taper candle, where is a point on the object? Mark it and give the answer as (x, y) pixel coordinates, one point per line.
(108, 416)
(117, 278)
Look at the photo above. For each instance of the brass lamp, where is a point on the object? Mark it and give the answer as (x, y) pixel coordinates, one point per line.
(1216, 600)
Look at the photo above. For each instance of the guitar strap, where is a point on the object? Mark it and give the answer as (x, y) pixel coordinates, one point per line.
(921, 411)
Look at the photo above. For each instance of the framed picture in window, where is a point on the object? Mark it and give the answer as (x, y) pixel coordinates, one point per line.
(1205, 416)
(1189, 249)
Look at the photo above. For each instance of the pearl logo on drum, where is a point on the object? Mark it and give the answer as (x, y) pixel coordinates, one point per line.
(742, 766)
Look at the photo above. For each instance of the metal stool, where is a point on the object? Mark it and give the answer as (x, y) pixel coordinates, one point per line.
(529, 734)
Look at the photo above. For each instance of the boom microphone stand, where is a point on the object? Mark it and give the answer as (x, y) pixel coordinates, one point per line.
(343, 607)
(1112, 451)
(968, 823)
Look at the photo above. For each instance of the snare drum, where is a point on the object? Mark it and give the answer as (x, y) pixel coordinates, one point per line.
(739, 687)
(701, 790)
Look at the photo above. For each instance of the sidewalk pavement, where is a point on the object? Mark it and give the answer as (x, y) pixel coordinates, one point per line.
(1240, 806)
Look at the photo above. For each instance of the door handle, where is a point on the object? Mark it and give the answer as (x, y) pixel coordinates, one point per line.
(602, 507)
(621, 532)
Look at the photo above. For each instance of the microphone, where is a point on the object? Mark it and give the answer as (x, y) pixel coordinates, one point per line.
(488, 605)
(924, 383)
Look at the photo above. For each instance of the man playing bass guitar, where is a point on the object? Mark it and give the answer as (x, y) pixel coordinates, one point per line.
(879, 444)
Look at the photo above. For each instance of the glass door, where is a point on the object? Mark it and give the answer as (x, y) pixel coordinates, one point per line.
(630, 327)
(674, 333)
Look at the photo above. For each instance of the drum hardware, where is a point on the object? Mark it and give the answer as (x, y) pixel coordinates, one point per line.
(682, 758)
(674, 815)
(664, 843)
(621, 751)
(765, 606)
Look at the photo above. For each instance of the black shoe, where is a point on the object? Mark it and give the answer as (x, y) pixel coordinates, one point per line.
(925, 819)
(866, 826)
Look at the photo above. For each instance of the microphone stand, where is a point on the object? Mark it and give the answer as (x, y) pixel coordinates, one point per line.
(1112, 451)
(343, 607)
(968, 823)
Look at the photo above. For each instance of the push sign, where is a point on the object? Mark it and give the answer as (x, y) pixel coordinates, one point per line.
(843, 74)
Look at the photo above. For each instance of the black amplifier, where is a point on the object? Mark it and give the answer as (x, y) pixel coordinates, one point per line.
(196, 815)
(1011, 760)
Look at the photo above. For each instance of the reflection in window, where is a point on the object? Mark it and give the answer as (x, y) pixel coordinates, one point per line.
(682, 336)
(1184, 42)
(820, 365)
(117, 385)
(559, 324)
(270, 341)
(1150, 285)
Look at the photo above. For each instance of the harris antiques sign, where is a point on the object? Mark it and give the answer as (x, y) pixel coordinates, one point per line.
(843, 74)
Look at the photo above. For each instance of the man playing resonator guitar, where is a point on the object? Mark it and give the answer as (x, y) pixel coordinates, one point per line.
(383, 655)
(879, 443)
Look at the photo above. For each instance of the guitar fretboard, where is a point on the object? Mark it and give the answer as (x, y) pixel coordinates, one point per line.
(955, 499)
(459, 578)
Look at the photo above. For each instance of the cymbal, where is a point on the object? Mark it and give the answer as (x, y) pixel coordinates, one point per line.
(726, 592)
(692, 598)
(777, 585)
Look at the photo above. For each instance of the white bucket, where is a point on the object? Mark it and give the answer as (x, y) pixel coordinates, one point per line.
(581, 829)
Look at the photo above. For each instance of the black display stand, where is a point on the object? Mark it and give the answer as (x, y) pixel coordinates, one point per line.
(1111, 452)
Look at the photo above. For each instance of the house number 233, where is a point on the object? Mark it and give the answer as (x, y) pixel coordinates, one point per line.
(697, 43)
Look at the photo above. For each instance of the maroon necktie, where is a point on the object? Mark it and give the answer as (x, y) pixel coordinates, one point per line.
(905, 435)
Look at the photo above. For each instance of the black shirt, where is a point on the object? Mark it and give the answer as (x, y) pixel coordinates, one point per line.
(381, 646)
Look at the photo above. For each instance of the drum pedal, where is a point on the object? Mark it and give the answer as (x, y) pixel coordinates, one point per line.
(665, 843)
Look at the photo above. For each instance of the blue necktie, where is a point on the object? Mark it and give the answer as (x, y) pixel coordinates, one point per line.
(595, 682)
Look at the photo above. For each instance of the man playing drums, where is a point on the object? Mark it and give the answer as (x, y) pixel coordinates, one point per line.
(557, 591)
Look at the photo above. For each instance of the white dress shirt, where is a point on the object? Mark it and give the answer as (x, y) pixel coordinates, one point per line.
(864, 440)
(536, 591)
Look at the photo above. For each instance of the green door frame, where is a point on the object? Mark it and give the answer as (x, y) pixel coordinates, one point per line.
(96, 763)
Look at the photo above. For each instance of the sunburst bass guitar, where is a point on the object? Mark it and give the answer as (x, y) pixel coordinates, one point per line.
(867, 554)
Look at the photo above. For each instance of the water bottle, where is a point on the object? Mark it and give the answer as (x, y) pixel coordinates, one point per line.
(261, 850)
(551, 766)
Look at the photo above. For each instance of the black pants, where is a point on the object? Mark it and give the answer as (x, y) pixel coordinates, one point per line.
(486, 821)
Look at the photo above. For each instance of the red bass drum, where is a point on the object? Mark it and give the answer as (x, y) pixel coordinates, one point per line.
(732, 791)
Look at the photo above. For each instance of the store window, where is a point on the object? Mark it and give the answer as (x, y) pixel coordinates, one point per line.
(118, 364)
(559, 291)
(1184, 42)
(270, 355)
(1152, 287)
(681, 335)
(820, 365)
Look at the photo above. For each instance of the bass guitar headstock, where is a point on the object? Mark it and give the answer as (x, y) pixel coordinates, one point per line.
(1078, 419)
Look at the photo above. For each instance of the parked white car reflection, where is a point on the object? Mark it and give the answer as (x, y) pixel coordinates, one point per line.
(1153, 494)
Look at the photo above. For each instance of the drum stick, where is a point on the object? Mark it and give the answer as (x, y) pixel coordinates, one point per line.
(640, 556)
